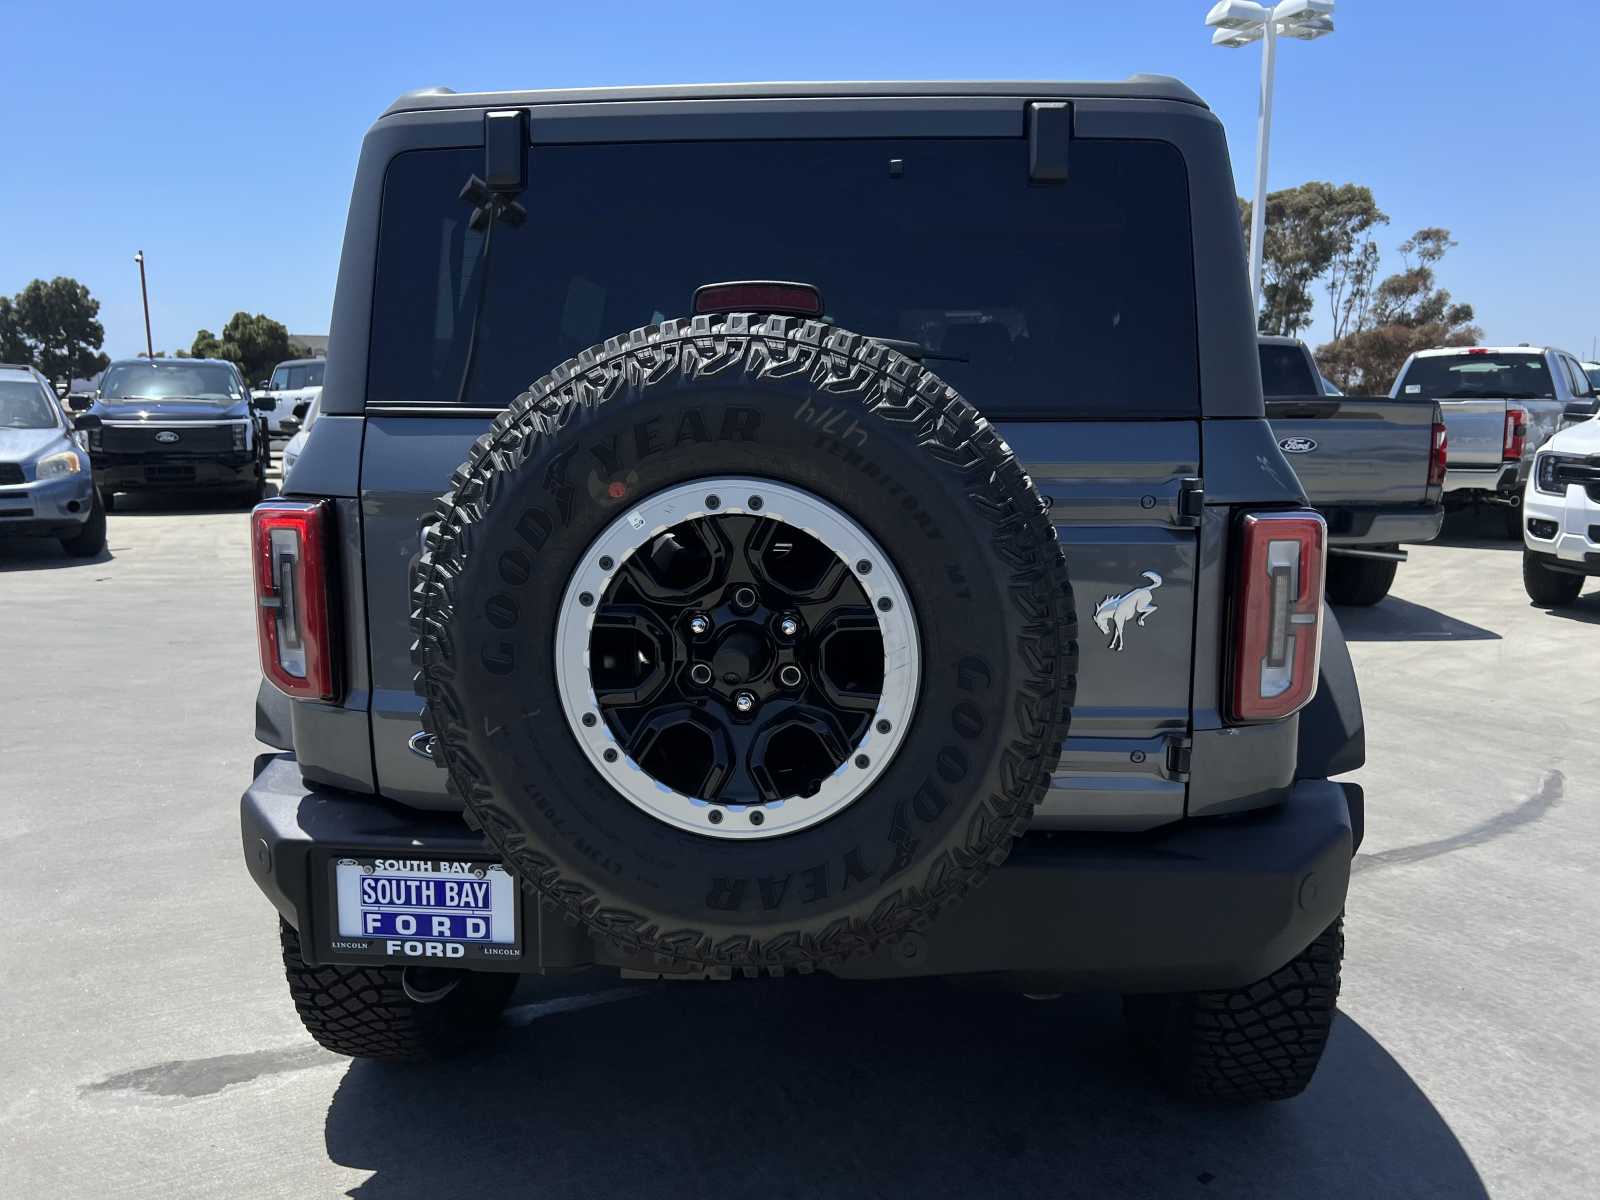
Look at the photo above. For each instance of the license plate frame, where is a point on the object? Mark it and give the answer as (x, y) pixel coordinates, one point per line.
(348, 936)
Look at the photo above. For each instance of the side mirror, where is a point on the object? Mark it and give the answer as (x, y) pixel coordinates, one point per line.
(289, 425)
(263, 403)
(1581, 409)
(80, 403)
(264, 385)
(86, 421)
(300, 409)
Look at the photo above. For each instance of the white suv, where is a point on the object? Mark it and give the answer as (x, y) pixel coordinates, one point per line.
(1561, 511)
(294, 385)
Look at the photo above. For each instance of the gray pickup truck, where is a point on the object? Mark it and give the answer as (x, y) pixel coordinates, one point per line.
(744, 520)
(1500, 404)
(1374, 466)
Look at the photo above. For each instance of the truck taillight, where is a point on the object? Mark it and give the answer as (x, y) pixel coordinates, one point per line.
(289, 543)
(1516, 431)
(1437, 459)
(1277, 638)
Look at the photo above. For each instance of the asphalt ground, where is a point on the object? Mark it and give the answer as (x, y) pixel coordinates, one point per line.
(150, 1049)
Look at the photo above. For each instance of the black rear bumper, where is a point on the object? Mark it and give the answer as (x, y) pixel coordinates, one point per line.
(1202, 904)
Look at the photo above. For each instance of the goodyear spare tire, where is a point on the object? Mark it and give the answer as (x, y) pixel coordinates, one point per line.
(746, 641)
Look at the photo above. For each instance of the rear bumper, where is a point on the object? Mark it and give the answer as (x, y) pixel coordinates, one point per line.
(1216, 903)
(1505, 480)
(1353, 525)
(133, 473)
(47, 508)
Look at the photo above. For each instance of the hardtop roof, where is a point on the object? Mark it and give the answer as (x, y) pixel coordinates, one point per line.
(1135, 87)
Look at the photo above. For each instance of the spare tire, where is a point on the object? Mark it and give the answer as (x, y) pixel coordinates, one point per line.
(746, 641)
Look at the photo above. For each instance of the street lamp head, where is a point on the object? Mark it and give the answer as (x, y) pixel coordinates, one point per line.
(1235, 14)
(1299, 10)
(1307, 29)
(1234, 38)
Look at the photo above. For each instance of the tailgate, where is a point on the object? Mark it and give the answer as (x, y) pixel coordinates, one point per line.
(1477, 430)
(1357, 450)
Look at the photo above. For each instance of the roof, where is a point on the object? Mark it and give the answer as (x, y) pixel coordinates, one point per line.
(141, 360)
(1276, 339)
(22, 369)
(1442, 351)
(1135, 87)
(298, 362)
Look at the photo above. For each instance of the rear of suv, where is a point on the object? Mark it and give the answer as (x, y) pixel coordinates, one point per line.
(727, 576)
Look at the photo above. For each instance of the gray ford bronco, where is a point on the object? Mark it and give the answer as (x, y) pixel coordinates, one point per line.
(781, 528)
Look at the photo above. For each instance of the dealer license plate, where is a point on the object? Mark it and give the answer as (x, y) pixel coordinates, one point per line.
(411, 908)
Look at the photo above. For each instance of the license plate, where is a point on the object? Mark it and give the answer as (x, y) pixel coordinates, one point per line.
(424, 908)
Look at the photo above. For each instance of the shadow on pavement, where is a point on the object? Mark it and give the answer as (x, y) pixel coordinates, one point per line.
(1585, 610)
(42, 554)
(166, 504)
(1395, 620)
(816, 1088)
(1478, 529)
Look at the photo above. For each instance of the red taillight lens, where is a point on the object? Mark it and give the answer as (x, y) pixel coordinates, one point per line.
(1437, 460)
(759, 295)
(289, 540)
(1516, 431)
(1278, 636)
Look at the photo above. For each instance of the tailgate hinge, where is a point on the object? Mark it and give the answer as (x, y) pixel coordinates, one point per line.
(1178, 752)
(1191, 505)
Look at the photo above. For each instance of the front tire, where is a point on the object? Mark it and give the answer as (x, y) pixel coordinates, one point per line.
(1359, 581)
(91, 539)
(1255, 1043)
(366, 1012)
(1548, 588)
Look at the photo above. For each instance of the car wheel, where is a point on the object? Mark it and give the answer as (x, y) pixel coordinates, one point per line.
(91, 539)
(1512, 515)
(392, 1014)
(797, 626)
(1359, 581)
(1548, 588)
(1260, 1042)
(108, 500)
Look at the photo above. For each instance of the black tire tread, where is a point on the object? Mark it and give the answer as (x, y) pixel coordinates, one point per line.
(893, 388)
(1359, 582)
(1547, 588)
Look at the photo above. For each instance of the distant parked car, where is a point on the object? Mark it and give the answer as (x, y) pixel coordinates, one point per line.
(1561, 533)
(291, 452)
(294, 385)
(181, 423)
(1592, 370)
(46, 485)
(1500, 404)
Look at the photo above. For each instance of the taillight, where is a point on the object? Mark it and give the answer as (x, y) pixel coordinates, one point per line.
(1437, 459)
(1516, 431)
(1277, 639)
(289, 540)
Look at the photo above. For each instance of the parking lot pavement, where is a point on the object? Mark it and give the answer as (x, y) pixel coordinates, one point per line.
(151, 1049)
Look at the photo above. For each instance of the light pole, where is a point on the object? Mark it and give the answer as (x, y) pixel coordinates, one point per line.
(1238, 23)
(144, 292)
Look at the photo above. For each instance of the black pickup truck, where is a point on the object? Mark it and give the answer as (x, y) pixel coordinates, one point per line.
(743, 520)
(1374, 466)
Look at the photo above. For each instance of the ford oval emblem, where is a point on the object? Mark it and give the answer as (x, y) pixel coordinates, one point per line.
(421, 743)
(1296, 445)
(166, 437)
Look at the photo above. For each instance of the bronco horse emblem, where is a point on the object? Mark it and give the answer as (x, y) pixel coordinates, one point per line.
(1116, 611)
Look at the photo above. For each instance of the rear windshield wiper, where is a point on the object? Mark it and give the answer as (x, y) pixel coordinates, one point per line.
(916, 350)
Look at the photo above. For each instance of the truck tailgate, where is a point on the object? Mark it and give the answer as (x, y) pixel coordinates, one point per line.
(1477, 430)
(1357, 450)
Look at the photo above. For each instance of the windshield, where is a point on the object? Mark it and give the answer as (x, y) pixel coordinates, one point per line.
(1479, 375)
(174, 381)
(1073, 298)
(24, 406)
(1592, 370)
(292, 377)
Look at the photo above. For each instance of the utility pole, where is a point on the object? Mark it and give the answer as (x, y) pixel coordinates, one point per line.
(144, 292)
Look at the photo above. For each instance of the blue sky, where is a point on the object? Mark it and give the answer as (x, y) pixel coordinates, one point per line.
(222, 139)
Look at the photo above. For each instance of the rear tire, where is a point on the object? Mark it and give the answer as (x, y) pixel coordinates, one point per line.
(365, 1012)
(91, 539)
(108, 501)
(1512, 515)
(1255, 1043)
(1547, 588)
(1359, 581)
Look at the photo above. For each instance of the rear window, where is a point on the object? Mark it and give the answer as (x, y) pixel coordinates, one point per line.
(1285, 372)
(293, 377)
(1483, 376)
(1071, 299)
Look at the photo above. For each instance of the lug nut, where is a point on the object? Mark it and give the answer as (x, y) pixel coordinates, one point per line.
(700, 673)
(699, 625)
(790, 676)
(788, 627)
(745, 702)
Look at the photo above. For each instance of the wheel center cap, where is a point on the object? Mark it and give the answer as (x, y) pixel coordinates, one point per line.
(741, 655)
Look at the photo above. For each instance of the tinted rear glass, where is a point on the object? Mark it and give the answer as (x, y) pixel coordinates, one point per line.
(1284, 372)
(1071, 299)
(1478, 377)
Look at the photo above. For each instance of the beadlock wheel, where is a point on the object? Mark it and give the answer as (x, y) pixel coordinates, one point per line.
(737, 657)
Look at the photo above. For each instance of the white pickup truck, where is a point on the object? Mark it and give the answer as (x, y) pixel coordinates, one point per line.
(1500, 404)
(1561, 533)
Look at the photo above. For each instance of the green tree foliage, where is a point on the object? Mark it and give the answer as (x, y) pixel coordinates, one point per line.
(257, 343)
(54, 327)
(1405, 312)
(1312, 230)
